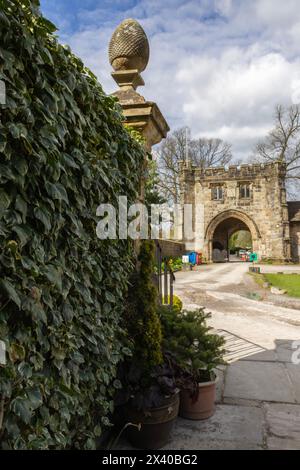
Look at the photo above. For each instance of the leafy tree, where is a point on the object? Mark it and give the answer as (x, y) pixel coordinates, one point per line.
(240, 239)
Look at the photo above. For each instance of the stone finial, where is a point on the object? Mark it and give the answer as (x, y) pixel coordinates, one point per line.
(129, 47)
(129, 55)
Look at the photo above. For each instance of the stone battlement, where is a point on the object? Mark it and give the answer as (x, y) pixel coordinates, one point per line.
(236, 171)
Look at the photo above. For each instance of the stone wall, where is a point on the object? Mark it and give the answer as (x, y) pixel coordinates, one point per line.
(172, 248)
(295, 241)
(294, 217)
(264, 212)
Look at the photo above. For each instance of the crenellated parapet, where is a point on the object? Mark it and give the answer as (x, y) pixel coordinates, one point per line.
(248, 171)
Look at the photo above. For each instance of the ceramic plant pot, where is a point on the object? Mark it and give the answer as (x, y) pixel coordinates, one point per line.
(156, 424)
(200, 407)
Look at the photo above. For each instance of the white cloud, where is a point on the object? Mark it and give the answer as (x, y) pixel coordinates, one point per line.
(234, 96)
(278, 13)
(219, 66)
(224, 7)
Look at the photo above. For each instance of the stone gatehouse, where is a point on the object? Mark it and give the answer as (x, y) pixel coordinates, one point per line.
(246, 197)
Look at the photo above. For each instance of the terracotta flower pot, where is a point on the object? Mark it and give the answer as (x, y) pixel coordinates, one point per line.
(156, 424)
(201, 407)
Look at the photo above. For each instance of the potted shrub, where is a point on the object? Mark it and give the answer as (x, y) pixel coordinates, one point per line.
(150, 404)
(197, 352)
(149, 395)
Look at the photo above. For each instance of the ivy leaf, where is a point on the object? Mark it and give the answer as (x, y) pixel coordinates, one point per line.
(4, 20)
(126, 351)
(110, 297)
(97, 431)
(53, 275)
(35, 398)
(42, 214)
(57, 191)
(21, 407)
(46, 56)
(25, 370)
(16, 352)
(68, 312)
(21, 206)
(4, 201)
(89, 444)
(47, 25)
(68, 160)
(58, 353)
(84, 292)
(3, 142)
(117, 384)
(20, 165)
(24, 233)
(6, 172)
(10, 290)
(17, 130)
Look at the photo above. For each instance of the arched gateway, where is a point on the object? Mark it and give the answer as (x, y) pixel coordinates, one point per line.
(250, 198)
(224, 225)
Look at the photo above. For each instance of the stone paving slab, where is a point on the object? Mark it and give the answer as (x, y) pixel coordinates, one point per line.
(241, 401)
(231, 427)
(264, 356)
(294, 374)
(187, 443)
(263, 381)
(275, 443)
(284, 350)
(220, 373)
(283, 422)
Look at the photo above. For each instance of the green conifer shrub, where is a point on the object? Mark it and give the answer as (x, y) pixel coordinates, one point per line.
(188, 338)
(143, 324)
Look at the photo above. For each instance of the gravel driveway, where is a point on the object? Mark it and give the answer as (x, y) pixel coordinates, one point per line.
(259, 389)
(229, 292)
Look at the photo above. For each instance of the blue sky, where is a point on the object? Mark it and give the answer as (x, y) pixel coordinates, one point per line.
(218, 66)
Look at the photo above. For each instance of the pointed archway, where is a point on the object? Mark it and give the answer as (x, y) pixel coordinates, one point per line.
(224, 225)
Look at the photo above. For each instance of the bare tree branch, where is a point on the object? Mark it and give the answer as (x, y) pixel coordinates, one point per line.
(202, 152)
(283, 143)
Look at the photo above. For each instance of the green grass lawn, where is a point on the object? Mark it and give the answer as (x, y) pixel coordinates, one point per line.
(288, 282)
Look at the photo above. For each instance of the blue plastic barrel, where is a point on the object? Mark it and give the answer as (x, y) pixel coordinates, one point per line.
(193, 257)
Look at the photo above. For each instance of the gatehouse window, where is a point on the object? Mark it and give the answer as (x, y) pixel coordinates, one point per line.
(217, 193)
(245, 191)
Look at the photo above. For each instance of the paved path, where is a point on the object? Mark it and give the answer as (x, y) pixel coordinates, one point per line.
(259, 391)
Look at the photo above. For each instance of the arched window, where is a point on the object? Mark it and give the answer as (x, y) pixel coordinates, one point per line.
(245, 191)
(217, 193)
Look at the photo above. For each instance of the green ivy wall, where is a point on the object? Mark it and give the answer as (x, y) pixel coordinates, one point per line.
(63, 151)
